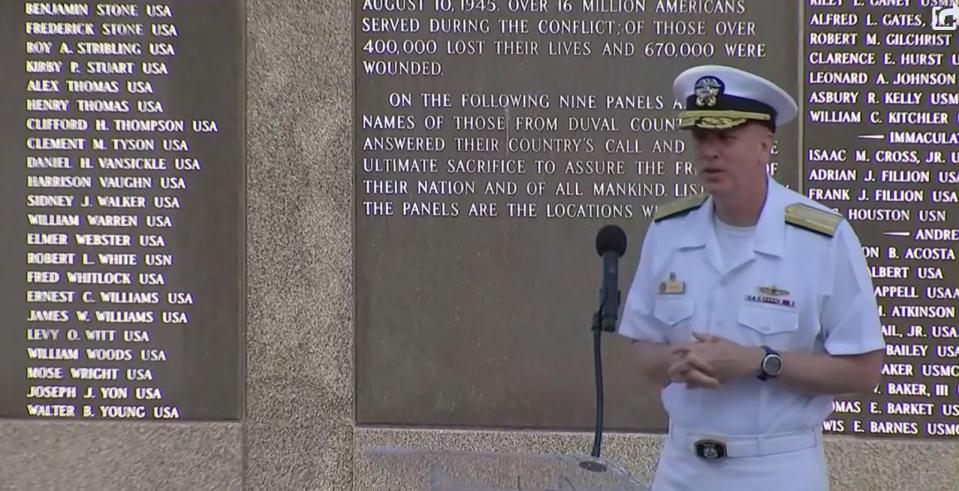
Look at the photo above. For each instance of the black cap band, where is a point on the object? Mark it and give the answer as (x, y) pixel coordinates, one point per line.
(726, 102)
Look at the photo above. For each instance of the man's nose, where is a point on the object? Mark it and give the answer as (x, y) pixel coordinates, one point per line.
(708, 148)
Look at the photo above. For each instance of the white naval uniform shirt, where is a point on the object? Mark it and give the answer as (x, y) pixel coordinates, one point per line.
(829, 307)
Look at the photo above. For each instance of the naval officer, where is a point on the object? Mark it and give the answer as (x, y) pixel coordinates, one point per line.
(752, 305)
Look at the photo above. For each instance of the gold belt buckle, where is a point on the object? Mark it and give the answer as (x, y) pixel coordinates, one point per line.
(710, 449)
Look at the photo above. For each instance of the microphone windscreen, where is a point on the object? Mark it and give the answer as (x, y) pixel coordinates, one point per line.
(611, 238)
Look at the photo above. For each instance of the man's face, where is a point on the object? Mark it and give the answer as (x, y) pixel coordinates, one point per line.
(732, 162)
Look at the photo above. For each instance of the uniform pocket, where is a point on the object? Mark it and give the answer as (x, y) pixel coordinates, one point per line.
(767, 319)
(672, 310)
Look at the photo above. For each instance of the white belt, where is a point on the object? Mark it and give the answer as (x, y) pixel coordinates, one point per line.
(716, 447)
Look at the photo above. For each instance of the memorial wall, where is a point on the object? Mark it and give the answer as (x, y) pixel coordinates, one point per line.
(493, 138)
(879, 144)
(123, 205)
(492, 141)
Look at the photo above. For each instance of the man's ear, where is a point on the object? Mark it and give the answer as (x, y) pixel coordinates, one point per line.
(767, 140)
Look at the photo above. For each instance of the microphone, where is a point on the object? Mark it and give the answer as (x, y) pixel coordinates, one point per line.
(610, 244)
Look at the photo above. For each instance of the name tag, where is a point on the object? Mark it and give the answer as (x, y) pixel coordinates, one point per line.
(672, 286)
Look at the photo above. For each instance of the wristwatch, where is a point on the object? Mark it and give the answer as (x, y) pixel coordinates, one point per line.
(771, 365)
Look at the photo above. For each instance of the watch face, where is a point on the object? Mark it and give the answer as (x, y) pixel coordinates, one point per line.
(772, 365)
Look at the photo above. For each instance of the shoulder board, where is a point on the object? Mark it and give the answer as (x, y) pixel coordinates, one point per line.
(674, 208)
(814, 219)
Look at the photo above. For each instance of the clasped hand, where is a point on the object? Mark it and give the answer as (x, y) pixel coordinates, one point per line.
(710, 361)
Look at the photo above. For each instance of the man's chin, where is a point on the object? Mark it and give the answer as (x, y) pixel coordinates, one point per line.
(716, 186)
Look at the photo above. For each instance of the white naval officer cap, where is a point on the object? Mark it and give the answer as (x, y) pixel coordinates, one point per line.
(720, 97)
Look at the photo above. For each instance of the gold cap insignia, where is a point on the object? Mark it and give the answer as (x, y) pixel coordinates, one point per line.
(707, 91)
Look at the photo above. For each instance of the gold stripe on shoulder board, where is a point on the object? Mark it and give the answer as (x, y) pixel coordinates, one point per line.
(814, 219)
(678, 206)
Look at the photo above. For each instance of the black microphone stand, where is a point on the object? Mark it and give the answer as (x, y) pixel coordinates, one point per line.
(601, 323)
(610, 245)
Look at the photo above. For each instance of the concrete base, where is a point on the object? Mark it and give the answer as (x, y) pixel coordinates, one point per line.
(854, 464)
(129, 456)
